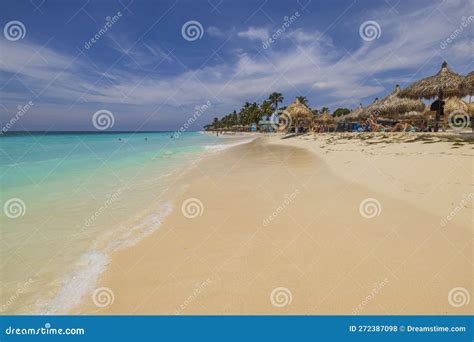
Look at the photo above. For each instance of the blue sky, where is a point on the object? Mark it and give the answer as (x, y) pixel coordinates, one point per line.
(150, 77)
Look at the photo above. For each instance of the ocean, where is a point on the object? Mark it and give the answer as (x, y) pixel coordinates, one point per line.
(70, 199)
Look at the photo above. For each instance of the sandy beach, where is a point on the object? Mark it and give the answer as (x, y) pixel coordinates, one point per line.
(227, 171)
(326, 224)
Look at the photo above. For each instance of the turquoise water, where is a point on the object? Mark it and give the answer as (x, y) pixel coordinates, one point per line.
(69, 200)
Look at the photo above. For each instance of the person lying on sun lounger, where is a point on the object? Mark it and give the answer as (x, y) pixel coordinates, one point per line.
(402, 127)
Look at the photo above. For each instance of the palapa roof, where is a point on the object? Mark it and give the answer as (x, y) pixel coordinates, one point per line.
(324, 117)
(452, 104)
(467, 85)
(354, 115)
(299, 114)
(370, 110)
(393, 104)
(445, 81)
(297, 109)
(470, 108)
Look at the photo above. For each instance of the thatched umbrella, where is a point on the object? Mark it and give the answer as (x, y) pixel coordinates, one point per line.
(467, 85)
(470, 108)
(354, 115)
(370, 110)
(299, 115)
(445, 83)
(454, 103)
(324, 117)
(324, 120)
(393, 105)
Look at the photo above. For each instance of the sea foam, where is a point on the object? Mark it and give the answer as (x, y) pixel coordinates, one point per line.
(221, 147)
(94, 262)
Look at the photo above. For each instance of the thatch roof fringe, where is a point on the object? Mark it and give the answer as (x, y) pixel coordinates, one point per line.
(445, 82)
(299, 115)
(467, 85)
(393, 104)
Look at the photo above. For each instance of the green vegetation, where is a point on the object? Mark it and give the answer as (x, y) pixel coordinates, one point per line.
(250, 113)
(303, 100)
(275, 98)
(341, 111)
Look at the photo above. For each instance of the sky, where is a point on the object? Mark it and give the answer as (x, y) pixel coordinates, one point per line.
(153, 65)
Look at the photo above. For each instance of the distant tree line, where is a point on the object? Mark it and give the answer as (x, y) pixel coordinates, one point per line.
(252, 113)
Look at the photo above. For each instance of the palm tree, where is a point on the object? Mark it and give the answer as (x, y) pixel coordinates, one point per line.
(226, 121)
(303, 100)
(255, 113)
(275, 98)
(244, 114)
(234, 118)
(215, 123)
(324, 109)
(266, 108)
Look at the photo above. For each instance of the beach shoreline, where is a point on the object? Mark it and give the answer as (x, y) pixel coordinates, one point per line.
(280, 227)
(89, 210)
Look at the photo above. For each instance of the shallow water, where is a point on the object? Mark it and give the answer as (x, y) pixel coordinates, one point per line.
(69, 200)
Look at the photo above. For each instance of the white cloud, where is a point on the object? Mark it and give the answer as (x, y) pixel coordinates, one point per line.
(215, 31)
(142, 53)
(254, 33)
(311, 65)
(33, 61)
(299, 36)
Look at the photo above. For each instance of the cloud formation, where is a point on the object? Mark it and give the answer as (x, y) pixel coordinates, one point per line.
(304, 62)
(254, 33)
